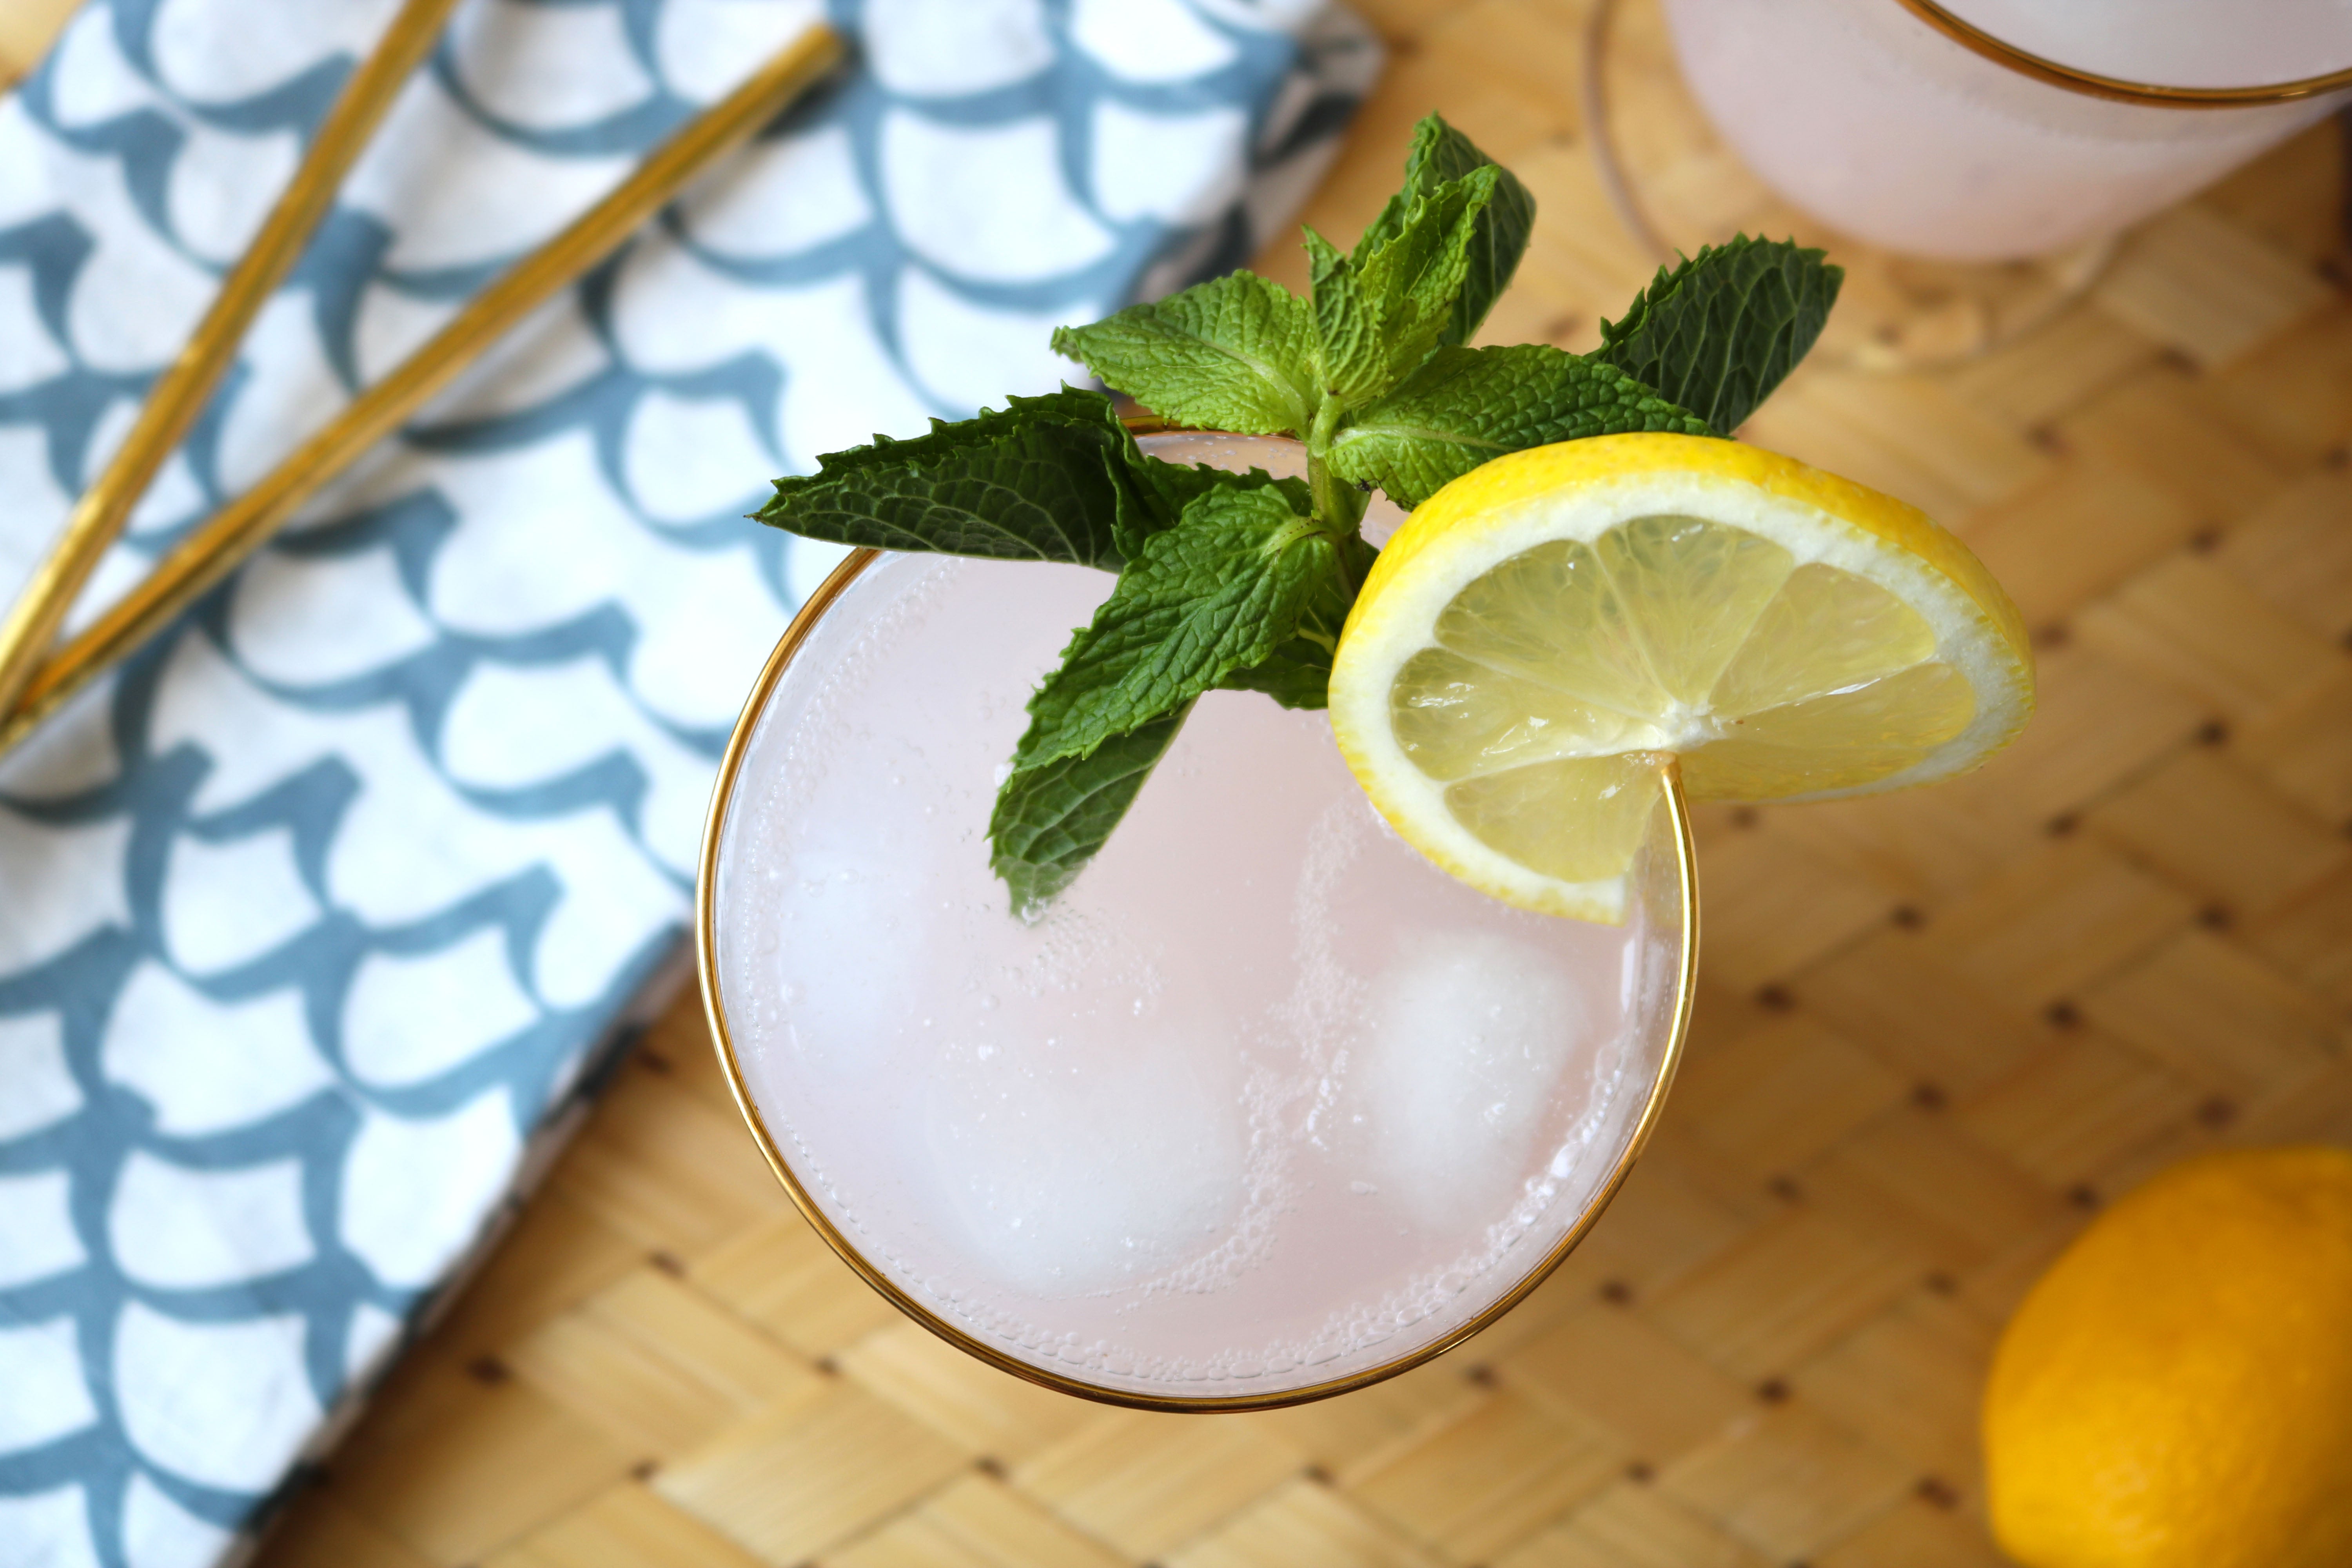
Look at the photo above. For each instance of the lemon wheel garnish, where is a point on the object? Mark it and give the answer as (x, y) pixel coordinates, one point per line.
(1545, 634)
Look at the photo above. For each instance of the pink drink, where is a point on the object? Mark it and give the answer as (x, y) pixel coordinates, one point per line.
(1870, 119)
(1265, 1102)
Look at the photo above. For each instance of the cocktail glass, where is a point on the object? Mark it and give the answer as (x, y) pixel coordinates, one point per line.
(1998, 130)
(1969, 178)
(1265, 1107)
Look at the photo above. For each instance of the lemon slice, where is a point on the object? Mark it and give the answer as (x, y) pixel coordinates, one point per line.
(1546, 633)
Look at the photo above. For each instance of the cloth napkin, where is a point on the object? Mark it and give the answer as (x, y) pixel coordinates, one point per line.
(315, 920)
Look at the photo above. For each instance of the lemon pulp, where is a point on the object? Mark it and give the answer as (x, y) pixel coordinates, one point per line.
(1667, 635)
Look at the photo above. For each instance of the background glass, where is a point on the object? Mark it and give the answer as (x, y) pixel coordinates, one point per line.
(1877, 122)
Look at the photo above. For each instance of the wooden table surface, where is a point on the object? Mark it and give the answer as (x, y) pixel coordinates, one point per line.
(1937, 1031)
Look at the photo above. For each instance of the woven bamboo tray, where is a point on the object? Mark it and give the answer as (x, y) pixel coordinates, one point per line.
(1936, 1031)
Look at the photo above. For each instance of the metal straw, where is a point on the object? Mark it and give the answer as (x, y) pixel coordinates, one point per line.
(214, 549)
(179, 394)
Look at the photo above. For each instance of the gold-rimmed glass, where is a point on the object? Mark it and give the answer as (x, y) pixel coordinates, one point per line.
(857, 1077)
(1972, 188)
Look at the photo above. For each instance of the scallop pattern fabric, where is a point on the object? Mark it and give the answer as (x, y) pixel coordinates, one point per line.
(317, 918)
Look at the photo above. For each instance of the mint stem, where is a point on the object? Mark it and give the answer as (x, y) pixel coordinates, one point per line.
(1339, 504)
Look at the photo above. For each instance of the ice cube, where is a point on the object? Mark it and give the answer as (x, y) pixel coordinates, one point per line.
(1468, 1039)
(1076, 1165)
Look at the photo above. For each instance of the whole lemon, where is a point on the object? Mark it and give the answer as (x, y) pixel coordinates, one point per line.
(2176, 1391)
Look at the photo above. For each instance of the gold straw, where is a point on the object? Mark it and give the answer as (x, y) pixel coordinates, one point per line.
(179, 394)
(214, 549)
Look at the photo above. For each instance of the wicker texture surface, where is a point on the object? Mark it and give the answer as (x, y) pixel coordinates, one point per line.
(1936, 1031)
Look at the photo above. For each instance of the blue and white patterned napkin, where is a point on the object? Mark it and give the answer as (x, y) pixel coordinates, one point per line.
(317, 914)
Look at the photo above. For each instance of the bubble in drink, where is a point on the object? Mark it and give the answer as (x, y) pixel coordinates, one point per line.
(1263, 1101)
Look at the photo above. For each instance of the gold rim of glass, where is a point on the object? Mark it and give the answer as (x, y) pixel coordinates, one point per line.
(1975, 39)
(707, 971)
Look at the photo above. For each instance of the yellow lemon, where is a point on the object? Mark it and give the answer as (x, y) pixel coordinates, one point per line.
(2176, 1391)
(1547, 632)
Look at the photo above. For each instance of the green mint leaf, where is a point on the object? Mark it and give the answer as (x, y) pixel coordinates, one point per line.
(1419, 276)
(1379, 313)
(1718, 333)
(1164, 490)
(1173, 487)
(1441, 153)
(1234, 354)
(1046, 478)
(1218, 592)
(1298, 673)
(1348, 351)
(1468, 406)
(1140, 507)
(1050, 820)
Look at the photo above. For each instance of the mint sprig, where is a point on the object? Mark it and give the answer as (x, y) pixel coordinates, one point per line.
(1242, 582)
